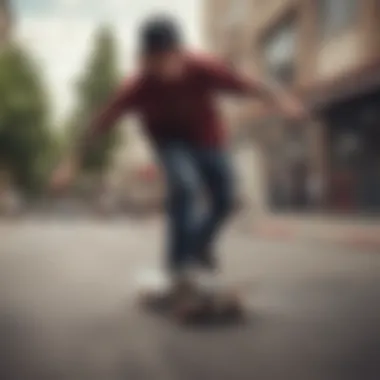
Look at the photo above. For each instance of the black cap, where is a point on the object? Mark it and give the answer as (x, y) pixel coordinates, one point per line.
(158, 34)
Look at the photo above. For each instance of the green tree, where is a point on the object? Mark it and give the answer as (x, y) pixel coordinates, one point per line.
(96, 84)
(25, 135)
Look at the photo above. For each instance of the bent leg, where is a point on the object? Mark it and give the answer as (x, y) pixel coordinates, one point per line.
(182, 190)
(216, 170)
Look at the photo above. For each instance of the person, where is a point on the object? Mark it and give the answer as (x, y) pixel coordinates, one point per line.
(174, 93)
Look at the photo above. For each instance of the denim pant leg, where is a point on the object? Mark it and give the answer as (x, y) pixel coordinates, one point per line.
(182, 190)
(215, 168)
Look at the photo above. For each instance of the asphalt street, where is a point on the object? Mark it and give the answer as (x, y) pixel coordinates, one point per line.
(67, 308)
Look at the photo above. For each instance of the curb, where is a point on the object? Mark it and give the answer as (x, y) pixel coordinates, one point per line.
(365, 237)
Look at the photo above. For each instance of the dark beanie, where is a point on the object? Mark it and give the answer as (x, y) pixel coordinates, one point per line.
(159, 34)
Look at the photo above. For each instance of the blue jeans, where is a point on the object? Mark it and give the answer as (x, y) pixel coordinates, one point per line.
(190, 173)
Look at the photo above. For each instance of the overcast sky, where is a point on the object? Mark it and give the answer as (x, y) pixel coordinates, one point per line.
(58, 32)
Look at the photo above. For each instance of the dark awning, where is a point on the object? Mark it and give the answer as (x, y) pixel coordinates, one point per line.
(360, 82)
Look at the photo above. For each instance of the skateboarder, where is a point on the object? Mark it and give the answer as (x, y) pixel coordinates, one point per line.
(174, 93)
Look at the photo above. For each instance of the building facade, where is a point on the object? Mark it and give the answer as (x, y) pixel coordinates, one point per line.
(328, 52)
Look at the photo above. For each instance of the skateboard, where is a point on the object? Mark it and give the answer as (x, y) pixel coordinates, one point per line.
(221, 305)
(193, 304)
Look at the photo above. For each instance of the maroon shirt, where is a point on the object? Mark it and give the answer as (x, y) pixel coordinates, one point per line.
(182, 109)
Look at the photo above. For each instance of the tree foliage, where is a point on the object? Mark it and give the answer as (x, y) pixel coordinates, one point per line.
(96, 84)
(27, 142)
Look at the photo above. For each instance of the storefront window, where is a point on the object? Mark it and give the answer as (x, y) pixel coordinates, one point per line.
(355, 157)
(237, 12)
(289, 170)
(279, 48)
(336, 15)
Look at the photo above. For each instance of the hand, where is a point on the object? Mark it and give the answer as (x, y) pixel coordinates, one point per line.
(64, 175)
(294, 109)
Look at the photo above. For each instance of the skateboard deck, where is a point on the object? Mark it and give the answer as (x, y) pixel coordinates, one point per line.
(223, 304)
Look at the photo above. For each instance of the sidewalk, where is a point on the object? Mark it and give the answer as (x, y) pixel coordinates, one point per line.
(360, 233)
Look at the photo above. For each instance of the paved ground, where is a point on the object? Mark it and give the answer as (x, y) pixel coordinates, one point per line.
(362, 233)
(66, 309)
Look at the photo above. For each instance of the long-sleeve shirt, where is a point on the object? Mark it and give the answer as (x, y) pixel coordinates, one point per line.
(184, 108)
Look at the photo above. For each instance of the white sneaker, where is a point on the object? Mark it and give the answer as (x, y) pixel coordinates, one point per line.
(161, 283)
(153, 281)
(207, 281)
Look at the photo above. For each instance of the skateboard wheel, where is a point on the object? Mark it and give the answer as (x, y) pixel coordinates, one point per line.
(230, 305)
(189, 310)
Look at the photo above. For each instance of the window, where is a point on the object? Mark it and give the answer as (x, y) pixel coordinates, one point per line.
(280, 51)
(237, 12)
(336, 15)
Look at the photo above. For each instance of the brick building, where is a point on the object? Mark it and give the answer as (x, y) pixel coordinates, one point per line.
(328, 51)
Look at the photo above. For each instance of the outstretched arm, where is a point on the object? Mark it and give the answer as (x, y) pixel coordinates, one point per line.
(125, 99)
(225, 80)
